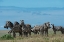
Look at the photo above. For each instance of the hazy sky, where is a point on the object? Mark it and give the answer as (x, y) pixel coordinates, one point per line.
(32, 3)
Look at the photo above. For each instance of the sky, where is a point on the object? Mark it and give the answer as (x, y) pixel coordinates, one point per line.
(32, 3)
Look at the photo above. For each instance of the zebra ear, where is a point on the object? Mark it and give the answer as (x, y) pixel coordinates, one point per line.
(7, 21)
(20, 20)
(52, 24)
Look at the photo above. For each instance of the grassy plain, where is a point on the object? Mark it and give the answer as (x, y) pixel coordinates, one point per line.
(36, 38)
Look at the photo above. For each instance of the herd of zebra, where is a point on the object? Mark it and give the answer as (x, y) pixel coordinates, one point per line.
(26, 29)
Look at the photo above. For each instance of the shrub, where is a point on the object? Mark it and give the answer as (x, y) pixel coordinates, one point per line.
(6, 37)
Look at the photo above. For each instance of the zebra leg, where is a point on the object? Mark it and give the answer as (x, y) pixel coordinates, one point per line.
(46, 33)
(38, 32)
(20, 34)
(14, 35)
(10, 32)
(54, 32)
(29, 33)
(26, 34)
(42, 33)
(62, 32)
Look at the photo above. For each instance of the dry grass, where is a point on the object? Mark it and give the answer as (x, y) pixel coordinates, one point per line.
(38, 38)
(2, 32)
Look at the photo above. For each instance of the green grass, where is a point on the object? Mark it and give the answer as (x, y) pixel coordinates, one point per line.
(36, 38)
(6, 37)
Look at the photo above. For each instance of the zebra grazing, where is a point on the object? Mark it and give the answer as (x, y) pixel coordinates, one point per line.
(57, 28)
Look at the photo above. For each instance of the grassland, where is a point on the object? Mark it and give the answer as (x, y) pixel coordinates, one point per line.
(36, 38)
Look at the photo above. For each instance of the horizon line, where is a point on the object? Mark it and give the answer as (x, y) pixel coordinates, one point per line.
(31, 7)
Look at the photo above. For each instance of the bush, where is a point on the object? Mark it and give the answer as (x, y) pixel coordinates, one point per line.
(6, 37)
